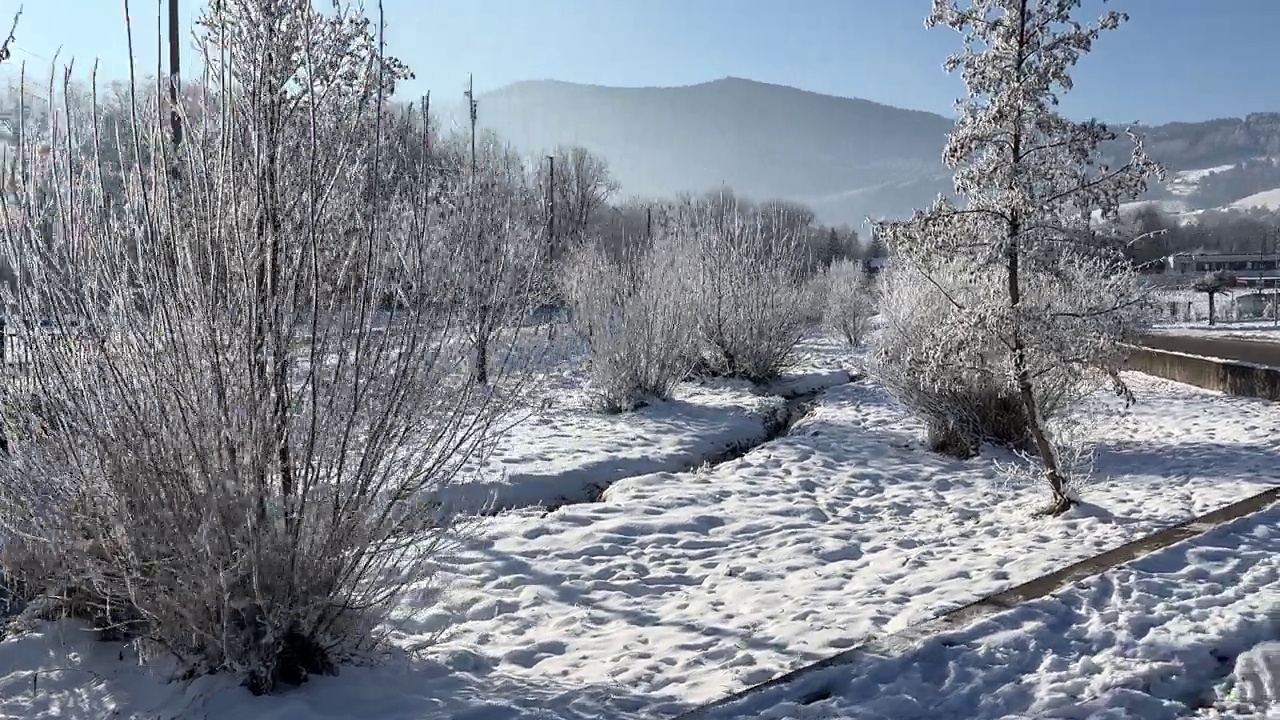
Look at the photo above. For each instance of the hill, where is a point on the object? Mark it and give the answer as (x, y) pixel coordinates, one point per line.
(846, 157)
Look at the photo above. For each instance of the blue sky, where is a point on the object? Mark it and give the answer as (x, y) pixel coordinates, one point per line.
(1176, 59)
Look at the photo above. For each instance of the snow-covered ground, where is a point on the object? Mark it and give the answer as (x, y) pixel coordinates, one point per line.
(569, 452)
(1266, 200)
(677, 588)
(566, 451)
(1187, 180)
(1168, 207)
(1248, 329)
(1158, 638)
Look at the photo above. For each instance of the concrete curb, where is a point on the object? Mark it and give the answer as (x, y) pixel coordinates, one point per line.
(901, 642)
(1232, 377)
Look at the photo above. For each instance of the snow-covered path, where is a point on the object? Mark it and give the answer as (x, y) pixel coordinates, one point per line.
(566, 451)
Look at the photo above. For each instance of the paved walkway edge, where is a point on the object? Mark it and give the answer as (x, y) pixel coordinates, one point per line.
(901, 642)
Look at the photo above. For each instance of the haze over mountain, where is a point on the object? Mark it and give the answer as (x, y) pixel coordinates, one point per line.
(847, 158)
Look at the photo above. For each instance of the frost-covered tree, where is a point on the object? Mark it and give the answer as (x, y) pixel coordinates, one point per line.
(1047, 298)
(581, 188)
(850, 303)
(1212, 285)
(493, 225)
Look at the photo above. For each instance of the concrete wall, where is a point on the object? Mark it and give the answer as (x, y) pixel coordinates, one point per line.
(1227, 376)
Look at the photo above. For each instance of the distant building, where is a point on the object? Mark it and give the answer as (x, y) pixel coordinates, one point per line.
(1254, 305)
(1250, 269)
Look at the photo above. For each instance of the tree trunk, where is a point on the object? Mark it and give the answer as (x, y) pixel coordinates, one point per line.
(482, 348)
(1026, 388)
(1060, 502)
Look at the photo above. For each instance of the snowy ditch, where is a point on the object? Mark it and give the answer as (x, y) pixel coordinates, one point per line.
(795, 408)
(537, 476)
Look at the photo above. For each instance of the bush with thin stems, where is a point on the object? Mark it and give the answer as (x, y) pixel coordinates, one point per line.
(635, 324)
(225, 453)
(747, 287)
(944, 367)
(850, 301)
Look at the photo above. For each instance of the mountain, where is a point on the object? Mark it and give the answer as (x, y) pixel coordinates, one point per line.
(845, 157)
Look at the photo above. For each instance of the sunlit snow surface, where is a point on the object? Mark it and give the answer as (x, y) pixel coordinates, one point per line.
(679, 588)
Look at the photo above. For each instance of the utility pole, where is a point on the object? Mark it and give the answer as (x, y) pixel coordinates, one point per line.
(1275, 273)
(551, 208)
(471, 106)
(551, 243)
(175, 118)
(648, 222)
(426, 128)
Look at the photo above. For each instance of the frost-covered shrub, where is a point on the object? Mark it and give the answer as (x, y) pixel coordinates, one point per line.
(816, 292)
(946, 369)
(242, 467)
(850, 302)
(635, 322)
(747, 286)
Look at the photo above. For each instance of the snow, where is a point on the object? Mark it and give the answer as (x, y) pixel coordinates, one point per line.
(1157, 638)
(1266, 200)
(1241, 329)
(1196, 176)
(566, 451)
(569, 452)
(1166, 207)
(678, 588)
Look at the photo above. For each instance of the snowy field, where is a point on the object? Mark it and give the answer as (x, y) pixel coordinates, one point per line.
(1157, 639)
(1265, 200)
(678, 588)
